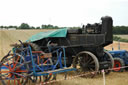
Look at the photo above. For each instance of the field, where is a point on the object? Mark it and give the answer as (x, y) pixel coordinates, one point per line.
(122, 36)
(8, 37)
(123, 46)
(111, 79)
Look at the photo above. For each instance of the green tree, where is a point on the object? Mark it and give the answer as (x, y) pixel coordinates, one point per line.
(43, 26)
(10, 26)
(15, 27)
(37, 27)
(1, 26)
(120, 30)
(24, 26)
(32, 27)
(49, 26)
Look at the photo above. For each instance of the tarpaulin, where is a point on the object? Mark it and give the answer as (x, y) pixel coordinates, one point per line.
(54, 33)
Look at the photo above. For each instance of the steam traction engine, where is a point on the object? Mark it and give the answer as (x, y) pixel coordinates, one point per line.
(84, 46)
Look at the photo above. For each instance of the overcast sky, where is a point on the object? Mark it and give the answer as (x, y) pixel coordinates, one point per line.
(62, 12)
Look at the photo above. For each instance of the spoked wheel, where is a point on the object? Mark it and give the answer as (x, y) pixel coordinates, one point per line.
(13, 70)
(117, 64)
(86, 62)
(108, 57)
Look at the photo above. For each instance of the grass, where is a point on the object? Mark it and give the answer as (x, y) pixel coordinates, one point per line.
(114, 78)
(111, 79)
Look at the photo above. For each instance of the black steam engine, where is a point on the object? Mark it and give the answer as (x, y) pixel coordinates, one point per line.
(85, 46)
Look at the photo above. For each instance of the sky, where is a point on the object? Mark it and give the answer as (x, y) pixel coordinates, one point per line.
(62, 12)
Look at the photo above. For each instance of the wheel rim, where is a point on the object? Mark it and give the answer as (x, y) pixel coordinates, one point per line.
(86, 62)
(108, 57)
(13, 72)
(117, 65)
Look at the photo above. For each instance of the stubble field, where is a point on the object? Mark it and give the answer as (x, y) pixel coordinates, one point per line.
(8, 37)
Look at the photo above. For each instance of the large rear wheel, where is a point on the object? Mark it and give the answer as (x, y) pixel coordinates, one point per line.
(86, 62)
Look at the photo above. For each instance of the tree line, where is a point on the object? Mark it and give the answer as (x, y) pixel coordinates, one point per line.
(120, 30)
(116, 29)
(27, 26)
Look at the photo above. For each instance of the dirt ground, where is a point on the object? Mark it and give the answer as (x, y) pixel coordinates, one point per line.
(115, 45)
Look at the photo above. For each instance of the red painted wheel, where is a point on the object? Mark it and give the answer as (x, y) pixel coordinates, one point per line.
(13, 70)
(117, 64)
